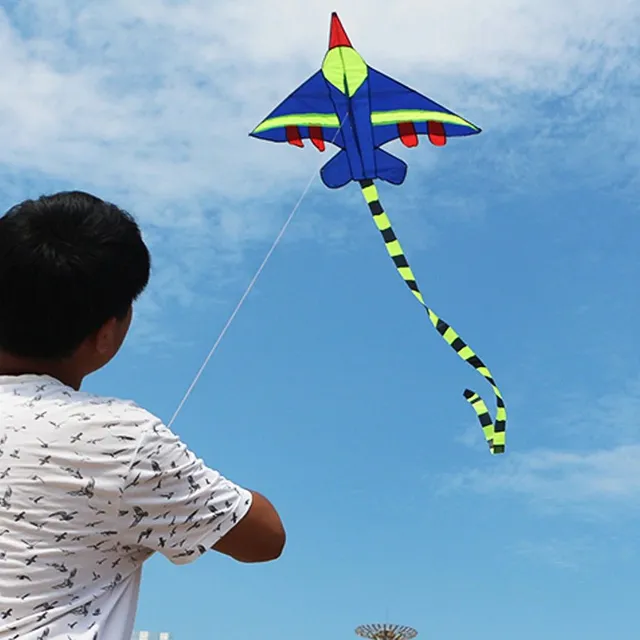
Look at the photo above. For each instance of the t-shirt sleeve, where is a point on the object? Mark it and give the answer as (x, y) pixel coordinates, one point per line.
(171, 502)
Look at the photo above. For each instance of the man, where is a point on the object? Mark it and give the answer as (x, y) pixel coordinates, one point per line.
(90, 487)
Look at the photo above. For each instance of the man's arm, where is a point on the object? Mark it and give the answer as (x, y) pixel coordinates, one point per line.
(258, 537)
(171, 502)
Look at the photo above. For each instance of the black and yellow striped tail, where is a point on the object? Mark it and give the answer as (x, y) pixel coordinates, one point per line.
(494, 431)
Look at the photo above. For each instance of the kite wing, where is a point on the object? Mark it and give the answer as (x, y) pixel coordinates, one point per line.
(398, 112)
(308, 113)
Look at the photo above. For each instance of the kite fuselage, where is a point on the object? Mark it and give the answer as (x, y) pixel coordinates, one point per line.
(347, 77)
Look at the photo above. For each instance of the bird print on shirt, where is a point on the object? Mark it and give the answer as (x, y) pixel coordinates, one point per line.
(89, 489)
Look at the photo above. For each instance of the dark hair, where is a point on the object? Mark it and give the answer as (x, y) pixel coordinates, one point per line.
(69, 262)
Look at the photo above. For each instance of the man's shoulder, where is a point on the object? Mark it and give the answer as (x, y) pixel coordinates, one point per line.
(67, 429)
(48, 397)
(110, 407)
(107, 417)
(106, 428)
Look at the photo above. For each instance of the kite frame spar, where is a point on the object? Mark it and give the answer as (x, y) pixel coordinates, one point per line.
(361, 109)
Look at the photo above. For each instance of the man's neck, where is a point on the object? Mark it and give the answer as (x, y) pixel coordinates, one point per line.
(61, 370)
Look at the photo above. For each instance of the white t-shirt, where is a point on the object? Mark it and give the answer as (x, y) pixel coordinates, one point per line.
(90, 488)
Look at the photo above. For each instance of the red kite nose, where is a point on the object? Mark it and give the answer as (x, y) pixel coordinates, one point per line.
(338, 37)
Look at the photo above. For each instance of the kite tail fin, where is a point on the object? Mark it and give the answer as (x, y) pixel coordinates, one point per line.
(338, 172)
(389, 168)
(494, 431)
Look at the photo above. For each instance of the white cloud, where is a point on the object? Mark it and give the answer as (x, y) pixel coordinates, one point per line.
(156, 98)
(564, 478)
(610, 419)
(150, 103)
(597, 474)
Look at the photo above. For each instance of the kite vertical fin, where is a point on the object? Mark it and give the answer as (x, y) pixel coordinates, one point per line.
(494, 431)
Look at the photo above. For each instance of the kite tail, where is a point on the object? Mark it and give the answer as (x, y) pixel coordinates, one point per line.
(494, 432)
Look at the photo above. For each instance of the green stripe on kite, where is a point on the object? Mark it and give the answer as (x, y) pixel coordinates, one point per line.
(329, 120)
(413, 115)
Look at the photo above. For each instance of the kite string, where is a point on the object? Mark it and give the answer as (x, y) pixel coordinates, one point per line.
(250, 286)
(248, 290)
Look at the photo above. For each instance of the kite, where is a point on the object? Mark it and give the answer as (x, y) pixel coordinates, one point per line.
(358, 109)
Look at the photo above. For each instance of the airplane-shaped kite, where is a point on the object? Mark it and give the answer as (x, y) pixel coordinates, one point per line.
(359, 109)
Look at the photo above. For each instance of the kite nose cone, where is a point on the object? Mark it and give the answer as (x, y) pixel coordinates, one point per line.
(338, 36)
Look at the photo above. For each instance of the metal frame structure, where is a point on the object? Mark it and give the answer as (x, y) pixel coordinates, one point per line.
(386, 631)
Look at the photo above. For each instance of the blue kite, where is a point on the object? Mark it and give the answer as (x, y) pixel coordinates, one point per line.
(358, 109)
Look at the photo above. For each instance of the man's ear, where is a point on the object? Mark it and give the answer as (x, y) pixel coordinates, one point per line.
(106, 338)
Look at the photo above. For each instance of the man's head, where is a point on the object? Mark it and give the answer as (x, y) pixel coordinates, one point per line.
(71, 266)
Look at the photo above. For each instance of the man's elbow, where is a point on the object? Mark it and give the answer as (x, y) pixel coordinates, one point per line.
(268, 549)
(258, 537)
(277, 545)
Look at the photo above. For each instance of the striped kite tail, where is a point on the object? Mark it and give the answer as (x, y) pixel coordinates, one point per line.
(494, 432)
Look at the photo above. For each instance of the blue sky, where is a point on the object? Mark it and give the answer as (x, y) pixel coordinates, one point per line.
(331, 393)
